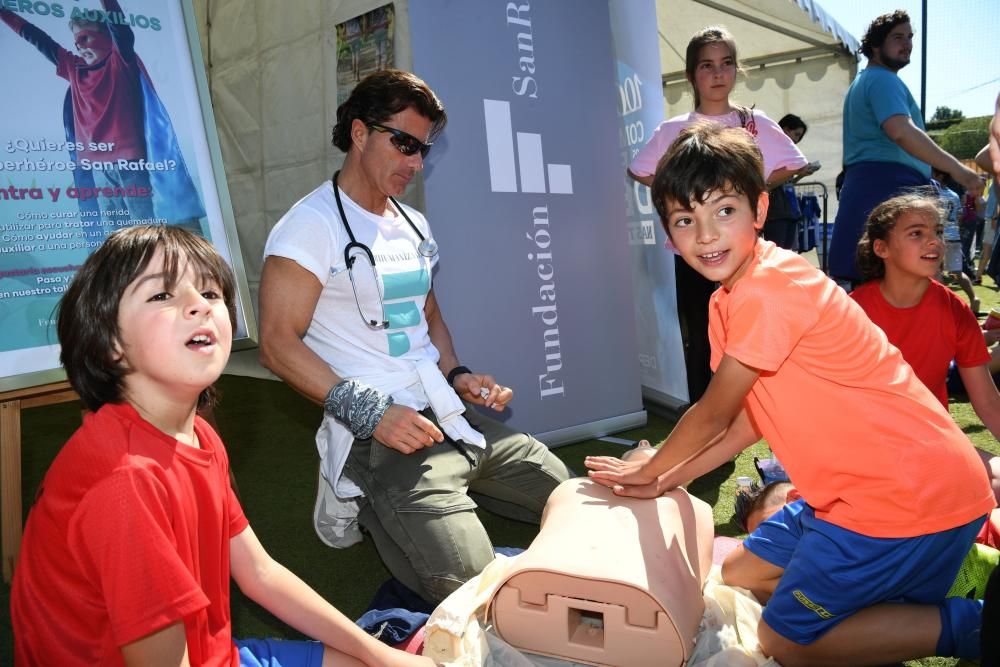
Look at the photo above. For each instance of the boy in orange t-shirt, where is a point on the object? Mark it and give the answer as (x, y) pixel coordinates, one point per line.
(893, 492)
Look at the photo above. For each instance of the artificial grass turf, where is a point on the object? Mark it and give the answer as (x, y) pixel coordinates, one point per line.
(269, 432)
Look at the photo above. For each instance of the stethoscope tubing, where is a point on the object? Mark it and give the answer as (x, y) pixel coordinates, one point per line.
(427, 248)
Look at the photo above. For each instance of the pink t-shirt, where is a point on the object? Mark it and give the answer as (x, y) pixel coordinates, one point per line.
(930, 334)
(867, 444)
(777, 149)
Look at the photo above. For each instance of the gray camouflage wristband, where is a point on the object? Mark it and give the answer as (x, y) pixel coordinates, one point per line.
(357, 406)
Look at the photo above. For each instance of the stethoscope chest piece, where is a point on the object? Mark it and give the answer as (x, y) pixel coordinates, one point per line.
(427, 247)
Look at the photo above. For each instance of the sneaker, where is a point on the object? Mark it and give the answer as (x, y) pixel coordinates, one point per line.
(335, 519)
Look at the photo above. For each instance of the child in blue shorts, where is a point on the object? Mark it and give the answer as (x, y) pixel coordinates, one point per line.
(135, 532)
(892, 492)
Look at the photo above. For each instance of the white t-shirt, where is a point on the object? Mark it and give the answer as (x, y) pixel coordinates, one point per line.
(399, 360)
(313, 235)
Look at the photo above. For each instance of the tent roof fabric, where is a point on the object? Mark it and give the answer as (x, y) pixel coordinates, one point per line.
(766, 31)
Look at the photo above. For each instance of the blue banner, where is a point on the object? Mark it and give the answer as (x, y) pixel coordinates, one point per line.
(640, 108)
(523, 192)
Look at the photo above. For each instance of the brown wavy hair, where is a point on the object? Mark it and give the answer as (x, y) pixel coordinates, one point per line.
(383, 94)
(881, 222)
(879, 29)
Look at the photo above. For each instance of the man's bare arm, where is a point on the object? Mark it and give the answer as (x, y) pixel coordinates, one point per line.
(916, 142)
(288, 298)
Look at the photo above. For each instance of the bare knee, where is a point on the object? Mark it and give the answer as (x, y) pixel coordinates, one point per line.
(745, 569)
(786, 652)
(736, 570)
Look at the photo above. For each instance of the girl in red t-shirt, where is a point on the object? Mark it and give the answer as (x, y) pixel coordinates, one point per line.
(900, 255)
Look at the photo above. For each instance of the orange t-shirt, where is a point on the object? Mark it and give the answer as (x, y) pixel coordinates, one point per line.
(866, 443)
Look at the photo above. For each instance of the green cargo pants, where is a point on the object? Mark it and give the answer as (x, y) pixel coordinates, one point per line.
(419, 508)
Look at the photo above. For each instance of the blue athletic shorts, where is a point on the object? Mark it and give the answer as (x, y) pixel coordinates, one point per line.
(279, 653)
(831, 572)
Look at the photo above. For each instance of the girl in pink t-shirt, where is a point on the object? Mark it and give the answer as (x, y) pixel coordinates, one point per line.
(711, 63)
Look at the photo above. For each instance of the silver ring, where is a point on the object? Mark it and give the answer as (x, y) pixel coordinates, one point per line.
(484, 393)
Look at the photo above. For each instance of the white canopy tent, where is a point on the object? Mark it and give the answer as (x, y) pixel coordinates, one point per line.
(796, 57)
(272, 74)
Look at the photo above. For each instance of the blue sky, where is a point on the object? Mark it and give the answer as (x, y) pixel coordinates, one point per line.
(963, 70)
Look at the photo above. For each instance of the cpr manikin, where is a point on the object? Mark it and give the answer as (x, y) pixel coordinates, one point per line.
(609, 580)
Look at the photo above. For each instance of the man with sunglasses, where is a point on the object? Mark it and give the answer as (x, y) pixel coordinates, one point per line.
(116, 115)
(349, 319)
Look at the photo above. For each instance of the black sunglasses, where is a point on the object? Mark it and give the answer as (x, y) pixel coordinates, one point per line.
(407, 144)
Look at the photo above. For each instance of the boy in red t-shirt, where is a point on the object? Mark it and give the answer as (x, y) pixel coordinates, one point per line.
(893, 493)
(130, 544)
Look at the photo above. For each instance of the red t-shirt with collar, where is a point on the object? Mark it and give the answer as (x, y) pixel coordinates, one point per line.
(930, 334)
(129, 533)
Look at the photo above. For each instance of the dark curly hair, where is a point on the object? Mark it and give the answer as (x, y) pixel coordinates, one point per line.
(881, 222)
(758, 497)
(88, 312)
(879, 29)
(383, 94)
(707, 156)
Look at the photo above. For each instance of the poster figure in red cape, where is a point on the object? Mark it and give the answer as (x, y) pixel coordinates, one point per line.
(108, 126)
(126, 162)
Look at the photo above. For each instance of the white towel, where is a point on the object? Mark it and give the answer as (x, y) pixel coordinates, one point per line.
(447, 406)
(333, 439)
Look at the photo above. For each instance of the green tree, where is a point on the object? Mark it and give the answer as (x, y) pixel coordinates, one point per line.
(965, 138)
(947, 113)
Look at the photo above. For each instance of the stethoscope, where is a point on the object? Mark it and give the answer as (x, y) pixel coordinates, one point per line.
(427, 247)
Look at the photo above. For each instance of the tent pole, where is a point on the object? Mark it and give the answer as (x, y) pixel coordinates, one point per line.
(923, 59)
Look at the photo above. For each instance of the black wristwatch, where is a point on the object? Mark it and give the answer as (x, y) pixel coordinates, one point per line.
(455, 372)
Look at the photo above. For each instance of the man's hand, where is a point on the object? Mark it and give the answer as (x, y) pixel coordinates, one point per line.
(625, 478)
(406, 430)
(469, 387)
(970, 180)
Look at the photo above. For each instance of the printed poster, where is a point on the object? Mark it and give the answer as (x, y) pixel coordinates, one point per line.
(364, 45)
(104, 130)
